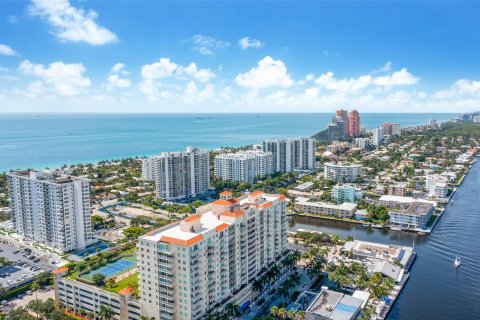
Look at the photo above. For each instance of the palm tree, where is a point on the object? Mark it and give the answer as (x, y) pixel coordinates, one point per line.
(257, 286)
(274, 311)
(295, 279)
(35, 287)
(105, 313)
(335, 239)
(232, 310)
(300, 315)
(284, 292)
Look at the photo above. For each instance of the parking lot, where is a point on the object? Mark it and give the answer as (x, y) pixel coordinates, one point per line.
(23, 299)
(16, 275)
(15, 252)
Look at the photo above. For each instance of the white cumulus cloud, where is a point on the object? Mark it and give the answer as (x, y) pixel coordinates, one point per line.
(247, 42)
(268, 73)
(71, 24)
(66, 79)
(206, 45)
(398, 78)
(352, 85)
(6, 50)
(115, 80)
(152, 74)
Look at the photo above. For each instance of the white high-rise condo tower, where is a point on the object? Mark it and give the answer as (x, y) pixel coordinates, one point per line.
(182, 174)
(244, 166)
(291, 154)
(51, 208)
(207, 260)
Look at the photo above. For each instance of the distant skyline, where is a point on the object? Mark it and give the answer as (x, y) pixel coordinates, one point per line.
(155, 56)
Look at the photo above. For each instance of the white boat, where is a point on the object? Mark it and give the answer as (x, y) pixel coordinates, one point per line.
(457, 262)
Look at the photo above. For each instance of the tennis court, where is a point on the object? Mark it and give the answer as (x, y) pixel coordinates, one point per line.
(113, 269)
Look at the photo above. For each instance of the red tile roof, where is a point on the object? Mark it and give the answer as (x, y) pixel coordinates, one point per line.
(223, 202)
(60, 270)
(221, 227)
(182, 242)
(235, 214)
(126, 291)
(191, 218)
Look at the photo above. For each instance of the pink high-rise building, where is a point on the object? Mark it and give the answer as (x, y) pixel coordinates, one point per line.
(354, 124)
(346, 127)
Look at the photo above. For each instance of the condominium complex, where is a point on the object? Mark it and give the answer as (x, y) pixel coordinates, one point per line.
(291, 154)
(342, 173)
(148, 173)
(416, 216)
(179, 175)
(354, 124)
(51, 208)
(391, 129)
(205, 261)
(346, 127)
(397, 189)
(343, 193)
(362, 143)
(436, 186)
(244, 166)
(89, 298)
(377, 136)
(344, 210)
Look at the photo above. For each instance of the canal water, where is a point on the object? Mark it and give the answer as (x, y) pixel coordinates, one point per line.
(435, 290)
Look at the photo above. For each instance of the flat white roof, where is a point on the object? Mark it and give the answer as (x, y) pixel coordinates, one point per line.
(344, 206)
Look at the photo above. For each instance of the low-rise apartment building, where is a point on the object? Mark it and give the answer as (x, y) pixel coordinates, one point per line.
(78, 296)
(416, 216)
(343, 193)
(398, 189)
(204, 261)
(342, 172)
(344, 210)
(401, 202)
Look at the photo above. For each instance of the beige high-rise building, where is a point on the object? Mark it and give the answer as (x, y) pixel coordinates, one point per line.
(207, 260)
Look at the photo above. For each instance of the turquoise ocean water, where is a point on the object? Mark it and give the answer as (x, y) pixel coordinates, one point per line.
(51, 140)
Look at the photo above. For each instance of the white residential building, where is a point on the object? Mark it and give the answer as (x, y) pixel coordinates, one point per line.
(401, 202)
(148, 174)
(377, 136)
(182, 174)
(243, 166)
(51, 208)
(342, 173)
(291, 154)
(436, 186)
(396, 129)
(344, 210)
(416, 216)
(82, 296)
(205, 261)
(362, 143)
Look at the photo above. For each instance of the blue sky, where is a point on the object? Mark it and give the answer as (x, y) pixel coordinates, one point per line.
(152, 56)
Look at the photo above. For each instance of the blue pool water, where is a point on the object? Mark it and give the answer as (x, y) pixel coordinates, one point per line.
(346, 308)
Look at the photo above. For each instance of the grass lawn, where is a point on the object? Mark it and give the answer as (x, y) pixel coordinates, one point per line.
(129, 251)
(124, 283)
